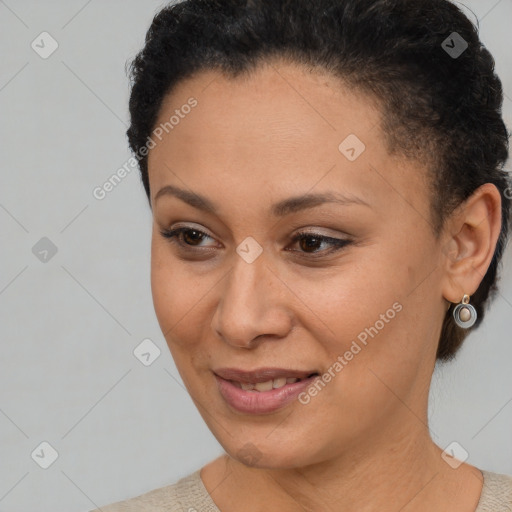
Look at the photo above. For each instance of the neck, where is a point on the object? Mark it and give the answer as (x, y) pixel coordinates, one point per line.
(399, 469)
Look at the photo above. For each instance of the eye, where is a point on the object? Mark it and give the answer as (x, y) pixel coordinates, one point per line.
(192, 235)
(310, 243)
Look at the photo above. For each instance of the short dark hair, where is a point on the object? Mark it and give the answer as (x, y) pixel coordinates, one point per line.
(440, 109)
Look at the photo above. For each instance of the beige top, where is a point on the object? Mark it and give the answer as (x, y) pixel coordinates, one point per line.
(190, 495)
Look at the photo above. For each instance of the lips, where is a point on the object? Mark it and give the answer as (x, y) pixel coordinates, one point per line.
(262, 374)
(271, 389)
(263, 390)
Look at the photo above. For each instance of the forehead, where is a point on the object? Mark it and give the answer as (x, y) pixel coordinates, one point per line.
(278, 128)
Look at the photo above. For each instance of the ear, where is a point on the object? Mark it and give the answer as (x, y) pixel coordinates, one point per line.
(470, 239)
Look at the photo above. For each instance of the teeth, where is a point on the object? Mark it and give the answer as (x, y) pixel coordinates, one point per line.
(266, 386)
(279, 383)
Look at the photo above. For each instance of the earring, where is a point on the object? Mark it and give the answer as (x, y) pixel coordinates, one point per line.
(464, 313)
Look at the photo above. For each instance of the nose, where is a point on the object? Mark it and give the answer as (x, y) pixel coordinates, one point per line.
(252, 306)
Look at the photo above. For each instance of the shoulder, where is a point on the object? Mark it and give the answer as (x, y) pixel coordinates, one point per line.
(496, 493)
(186, 495)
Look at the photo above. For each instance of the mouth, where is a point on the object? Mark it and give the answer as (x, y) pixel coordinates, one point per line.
(263, 390)
(263, 379)
(270, 384)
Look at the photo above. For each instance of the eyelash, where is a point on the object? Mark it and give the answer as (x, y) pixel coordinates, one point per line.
(336, 243)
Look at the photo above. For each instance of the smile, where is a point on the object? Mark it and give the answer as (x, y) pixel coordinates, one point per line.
(255, 393)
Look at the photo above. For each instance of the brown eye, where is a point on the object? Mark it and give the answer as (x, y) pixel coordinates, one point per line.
(191, 237)
(310, 243)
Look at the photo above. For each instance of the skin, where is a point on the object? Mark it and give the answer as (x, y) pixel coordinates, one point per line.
(362, 444)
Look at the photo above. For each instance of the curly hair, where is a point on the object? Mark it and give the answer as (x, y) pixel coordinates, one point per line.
(440, 109)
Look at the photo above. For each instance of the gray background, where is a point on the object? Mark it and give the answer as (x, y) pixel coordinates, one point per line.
(69, 325)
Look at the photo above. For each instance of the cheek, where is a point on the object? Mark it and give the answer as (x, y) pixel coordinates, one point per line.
(162, 285)
(182, 306)
(346, 301)
(363, 312)
(175, 294)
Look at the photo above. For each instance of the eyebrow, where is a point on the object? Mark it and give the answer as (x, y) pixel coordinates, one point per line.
(280, 209)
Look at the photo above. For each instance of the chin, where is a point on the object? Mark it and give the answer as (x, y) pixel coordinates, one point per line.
(268, 455)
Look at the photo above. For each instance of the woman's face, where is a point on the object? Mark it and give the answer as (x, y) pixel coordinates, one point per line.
(363, 306)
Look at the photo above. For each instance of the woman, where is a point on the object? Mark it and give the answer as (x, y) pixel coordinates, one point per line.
(330, 210)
